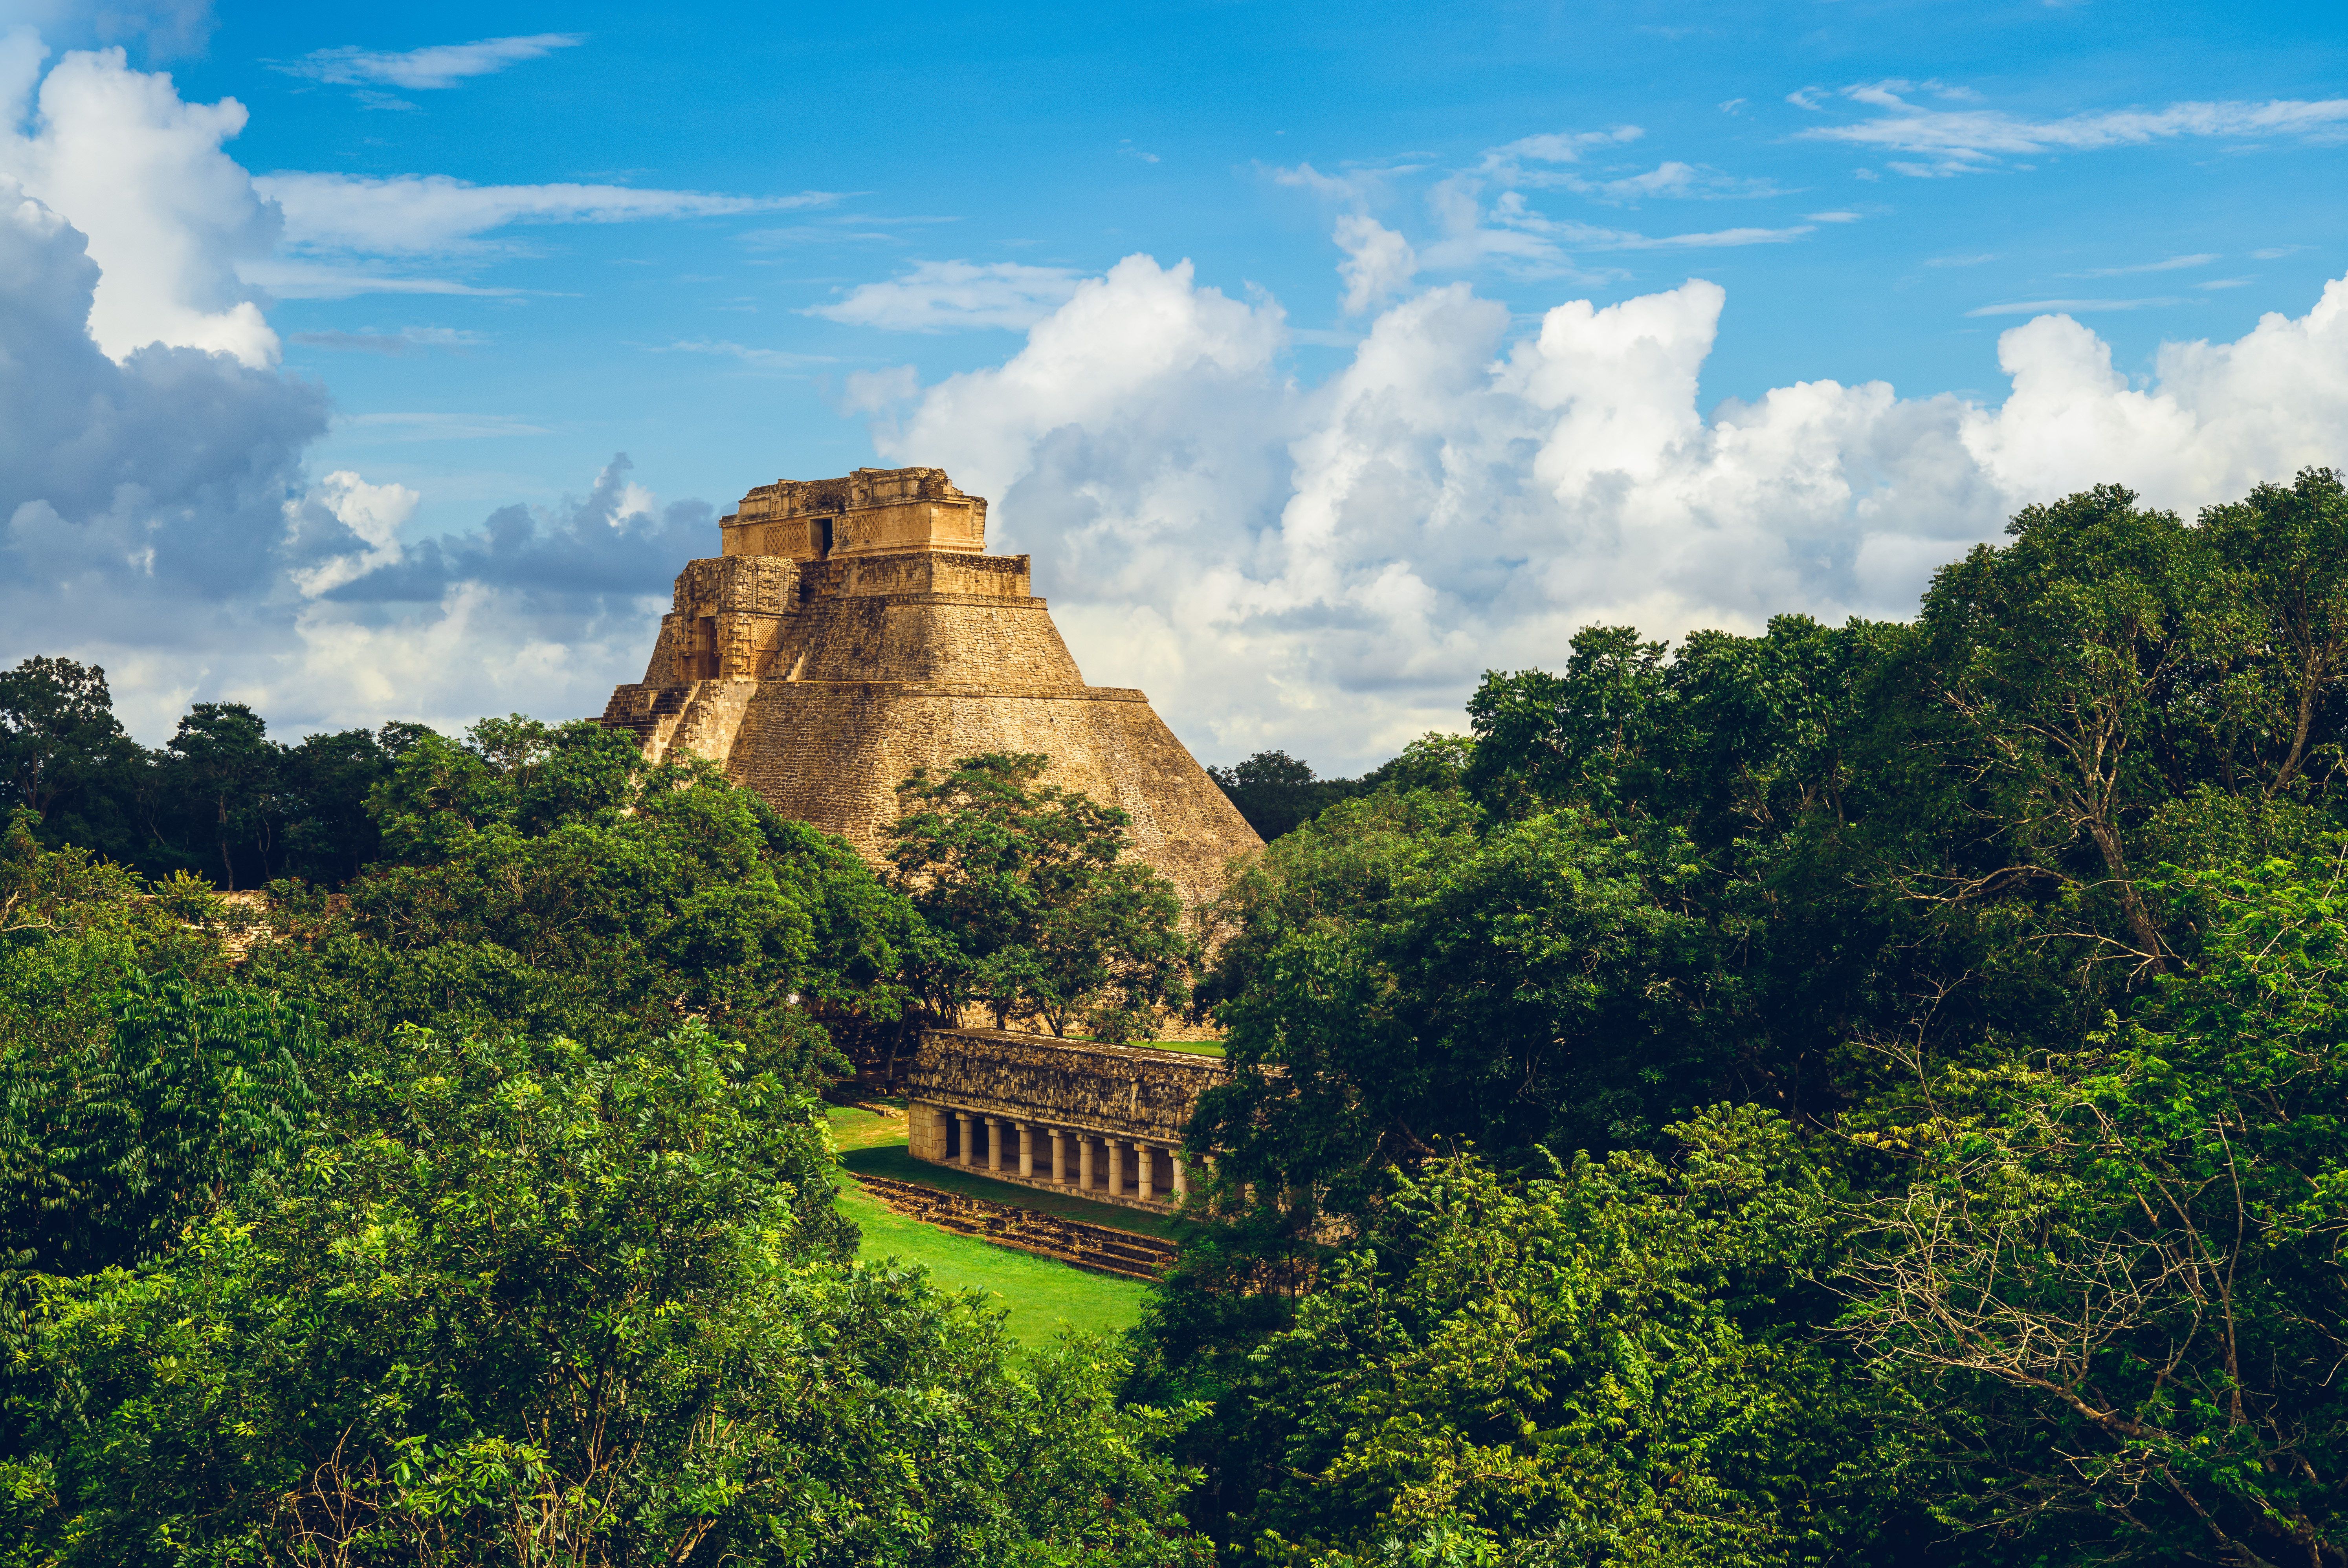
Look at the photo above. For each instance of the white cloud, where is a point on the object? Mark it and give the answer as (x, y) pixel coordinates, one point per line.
(394, 343)
(1831, 217)
(1961, 261)
(1378, 264)
(2047, 307)
(436, 425)
(1330, 570)
(2174, 264)
(764, 358)
(422, 70)
(165, 213)
(2226, 283)
(879, 391)
(373, 514)
(1964, 140)
(423, 214)
(292, 280)
(953, 296)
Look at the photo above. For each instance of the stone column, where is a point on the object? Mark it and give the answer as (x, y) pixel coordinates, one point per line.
(1115, 1147)
(961, 1126)
(993, 1144)
(1181, 1175)
(1026, 1136)
(1145, 1170)
(1059, 1157)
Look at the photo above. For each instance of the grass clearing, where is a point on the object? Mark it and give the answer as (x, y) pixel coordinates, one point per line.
(1041, 1294)
(867, 1126)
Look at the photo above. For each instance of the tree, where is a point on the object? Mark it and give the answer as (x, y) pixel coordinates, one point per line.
(1567, 1368)
(63, 752)
(529, 1307)
(328, 836)
(112, 1144)
(221, 760)
(1032, 905)
(2288, 550)
(2058, 652)
(2121, 1263)
(1392, 978)
(543, 880)
(1276, 792)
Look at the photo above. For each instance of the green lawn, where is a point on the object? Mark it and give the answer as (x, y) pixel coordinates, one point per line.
(854, 1127)
(1042, 1296)
(1195, 1047)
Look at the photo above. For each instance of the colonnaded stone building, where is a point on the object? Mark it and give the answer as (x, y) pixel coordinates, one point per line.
(852, 630)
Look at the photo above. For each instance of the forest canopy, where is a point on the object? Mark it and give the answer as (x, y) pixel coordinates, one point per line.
(1841, 1095)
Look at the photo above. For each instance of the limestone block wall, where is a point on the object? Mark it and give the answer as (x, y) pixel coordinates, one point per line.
(833, 753)
(930, 636)
(1120, 1091)
(872, 509)
(916, 571)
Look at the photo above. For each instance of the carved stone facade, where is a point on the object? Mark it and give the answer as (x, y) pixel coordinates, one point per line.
(853, 629)
(1102, 1120)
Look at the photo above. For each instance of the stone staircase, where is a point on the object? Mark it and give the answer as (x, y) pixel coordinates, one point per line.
(1099, 1249)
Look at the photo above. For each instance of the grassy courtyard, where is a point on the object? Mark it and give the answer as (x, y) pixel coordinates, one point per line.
(1040, 1296)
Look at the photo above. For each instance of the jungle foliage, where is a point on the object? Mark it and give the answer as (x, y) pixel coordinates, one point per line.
(1931, 1030)
(1848, 1094)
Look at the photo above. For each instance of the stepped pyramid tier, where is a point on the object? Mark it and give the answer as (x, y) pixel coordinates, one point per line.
(853, 629)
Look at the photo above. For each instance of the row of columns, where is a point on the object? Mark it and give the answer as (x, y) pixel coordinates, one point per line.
(1070, 1159)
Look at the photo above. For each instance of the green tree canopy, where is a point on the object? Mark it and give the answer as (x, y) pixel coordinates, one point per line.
(530, 1307)
(1034, 905)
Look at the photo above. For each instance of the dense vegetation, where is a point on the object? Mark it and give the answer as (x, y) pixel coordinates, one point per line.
(1858, 1094)
(480, 1210)
(1852, 1093)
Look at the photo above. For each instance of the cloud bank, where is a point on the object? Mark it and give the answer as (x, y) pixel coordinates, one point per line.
(1324, 568)
(1330, 570)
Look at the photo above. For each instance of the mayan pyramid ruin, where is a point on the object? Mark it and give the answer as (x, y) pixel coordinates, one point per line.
(853, 629)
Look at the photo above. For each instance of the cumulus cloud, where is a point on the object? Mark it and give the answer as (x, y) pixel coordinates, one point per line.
(1378, 261)
(167, 214)
(425, 70)
(953, 296)
(1330, 570)
(1962, 141)
(155, 513)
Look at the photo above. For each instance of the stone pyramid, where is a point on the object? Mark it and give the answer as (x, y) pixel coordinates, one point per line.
(854, 629)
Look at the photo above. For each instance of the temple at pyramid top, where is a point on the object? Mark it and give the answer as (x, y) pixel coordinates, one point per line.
(869, 512)
(852, 630)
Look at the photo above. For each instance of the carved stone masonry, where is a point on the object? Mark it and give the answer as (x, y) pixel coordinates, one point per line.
(854, 629)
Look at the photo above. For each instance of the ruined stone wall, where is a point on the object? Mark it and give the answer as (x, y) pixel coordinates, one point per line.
(916, 571)
(1122, 1092)
(833, 753)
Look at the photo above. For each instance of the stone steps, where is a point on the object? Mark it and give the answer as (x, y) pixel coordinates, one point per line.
(1099, 1249)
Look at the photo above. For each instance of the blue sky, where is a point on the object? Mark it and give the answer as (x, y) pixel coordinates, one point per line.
(801, 225)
